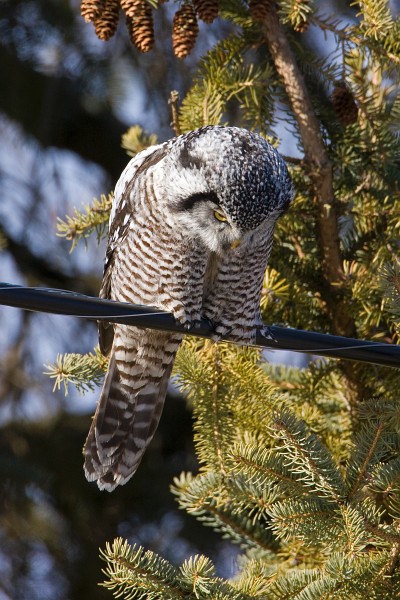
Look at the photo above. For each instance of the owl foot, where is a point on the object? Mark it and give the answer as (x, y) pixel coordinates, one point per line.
(201, 325)
(184, 320)
(266, 333)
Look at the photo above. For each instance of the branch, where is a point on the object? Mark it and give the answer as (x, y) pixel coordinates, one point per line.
(69, 303)
(319, 165)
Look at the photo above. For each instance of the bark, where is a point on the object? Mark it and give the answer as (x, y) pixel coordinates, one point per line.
(320, 169)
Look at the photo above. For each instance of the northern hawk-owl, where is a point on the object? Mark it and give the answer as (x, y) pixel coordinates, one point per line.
(191, 230)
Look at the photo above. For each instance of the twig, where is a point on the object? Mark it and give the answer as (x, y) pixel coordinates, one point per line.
(173, 102)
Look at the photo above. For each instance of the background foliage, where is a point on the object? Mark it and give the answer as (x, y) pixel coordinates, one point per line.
(297, 467)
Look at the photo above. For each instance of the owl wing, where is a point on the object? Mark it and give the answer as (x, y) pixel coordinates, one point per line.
(120, 222)
(135, 385)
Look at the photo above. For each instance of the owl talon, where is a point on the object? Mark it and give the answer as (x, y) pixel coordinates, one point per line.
(184, 320)
(198, 324)
(266, 333)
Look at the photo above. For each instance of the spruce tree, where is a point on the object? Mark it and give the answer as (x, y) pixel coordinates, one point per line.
(298, 466)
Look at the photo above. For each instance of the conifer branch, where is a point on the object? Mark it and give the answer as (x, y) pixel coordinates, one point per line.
(137, 139)
(204, 381)
(362, 473)
(217, 422)
(263, 467)
(382, 533)
(309, 457)
(390, 285)
(93, 218)
(356, 35)
(310, 520)
(394, 559)
(134, 573)
(352, 526)
(248, 536)
(84, 371)
(319, 165)
(207, 499)
(385, 484)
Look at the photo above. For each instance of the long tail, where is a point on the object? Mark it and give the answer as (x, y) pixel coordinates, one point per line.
(129, 407)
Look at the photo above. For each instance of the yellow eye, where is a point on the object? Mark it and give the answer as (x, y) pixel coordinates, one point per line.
(219, 216)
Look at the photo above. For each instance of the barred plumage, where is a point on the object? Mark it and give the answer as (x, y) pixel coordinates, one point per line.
(190, 232)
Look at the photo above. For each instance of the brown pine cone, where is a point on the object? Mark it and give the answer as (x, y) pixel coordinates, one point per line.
(184, 31)
(140, 26)
(90, 9)
(344, 103)
(105, 25)
(206, 9)
(132, 7)
(259, 9)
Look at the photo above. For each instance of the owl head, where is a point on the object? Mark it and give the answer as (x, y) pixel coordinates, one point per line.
(224, 184)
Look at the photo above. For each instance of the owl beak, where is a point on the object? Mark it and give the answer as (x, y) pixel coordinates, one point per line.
(235, 244)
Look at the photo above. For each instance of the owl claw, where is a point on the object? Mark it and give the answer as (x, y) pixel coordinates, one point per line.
(266, 333)
(198, 324)
(195, 324)
(184, 320)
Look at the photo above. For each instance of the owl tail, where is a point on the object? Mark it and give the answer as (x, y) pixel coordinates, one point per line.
(128, 411)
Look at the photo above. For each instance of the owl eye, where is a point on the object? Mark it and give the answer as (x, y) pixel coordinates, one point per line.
(219, 216)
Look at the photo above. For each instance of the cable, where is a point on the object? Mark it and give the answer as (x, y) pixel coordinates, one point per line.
(63, 302)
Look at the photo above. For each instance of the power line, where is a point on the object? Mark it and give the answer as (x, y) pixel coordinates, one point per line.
(63, 302)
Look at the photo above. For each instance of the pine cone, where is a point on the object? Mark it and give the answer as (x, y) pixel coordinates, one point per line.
(185, 30)
(206, 9)
(132, 7)
(105, 25)
(259, 9)
(91, 9)
(344, 104)
(140, 25)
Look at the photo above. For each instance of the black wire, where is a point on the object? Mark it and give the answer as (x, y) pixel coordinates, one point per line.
(70, 303)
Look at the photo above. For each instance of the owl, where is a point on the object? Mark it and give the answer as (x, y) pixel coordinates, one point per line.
(191, 230)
